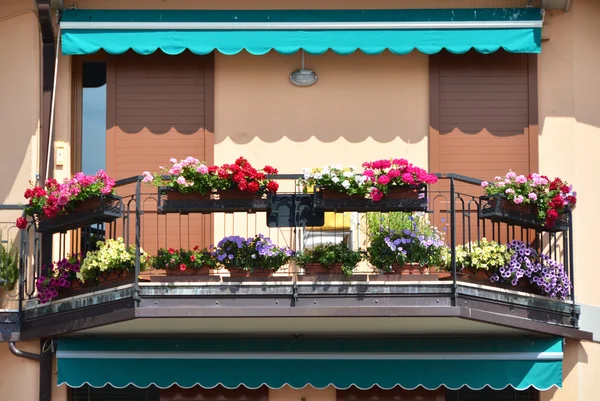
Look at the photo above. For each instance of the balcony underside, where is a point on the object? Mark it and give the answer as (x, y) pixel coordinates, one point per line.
(283, 308)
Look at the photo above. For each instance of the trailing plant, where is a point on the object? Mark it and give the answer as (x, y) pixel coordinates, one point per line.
(329, 254)
(552, 197)
(61, 275)
(183, 259)
(190, 175)
(482, 254)
(112, 256)
(9, 266)
(548, 275)
(56, 198)
(250, 254)
(336, 178)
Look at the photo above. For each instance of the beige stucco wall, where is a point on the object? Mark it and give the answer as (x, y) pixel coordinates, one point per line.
(19, 377)
(308, 393)
(19, 104)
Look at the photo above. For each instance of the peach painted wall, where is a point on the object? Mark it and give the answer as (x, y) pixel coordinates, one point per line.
(569, 139)
(308, 393)
(19, 377)
(19, 104)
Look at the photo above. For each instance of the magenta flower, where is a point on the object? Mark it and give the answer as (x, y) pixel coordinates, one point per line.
(509, 191)
(384, 180)
(519, 199)
(485, 184)
(147, 176)
(521, 179)
(532, 196)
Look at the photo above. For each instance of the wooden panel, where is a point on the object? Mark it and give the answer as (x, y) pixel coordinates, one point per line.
(482, 124)
(157, 110)
(216, 394)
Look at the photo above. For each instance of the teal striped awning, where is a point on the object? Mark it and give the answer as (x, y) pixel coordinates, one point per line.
(232, 362)
(487, 30)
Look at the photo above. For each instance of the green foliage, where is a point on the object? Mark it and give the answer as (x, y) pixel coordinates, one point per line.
(182, 259)
(9, 266)
(112, 255)
(484, 254)
(399, 238)
(328, 255)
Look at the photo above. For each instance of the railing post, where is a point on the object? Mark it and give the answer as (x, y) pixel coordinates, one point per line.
(23, 254)
(138, 214)
(572, 270)
(453, 241)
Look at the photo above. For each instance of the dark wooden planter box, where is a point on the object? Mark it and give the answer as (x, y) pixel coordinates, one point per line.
(397, 200)
(190, 271)
(104, 209)
(230, 201)
(407, 272)
(500, 210)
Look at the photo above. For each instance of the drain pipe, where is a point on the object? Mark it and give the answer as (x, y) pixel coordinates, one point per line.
(22, 354)
(53, 106)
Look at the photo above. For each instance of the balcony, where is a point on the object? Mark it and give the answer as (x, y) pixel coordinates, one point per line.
(423, 296)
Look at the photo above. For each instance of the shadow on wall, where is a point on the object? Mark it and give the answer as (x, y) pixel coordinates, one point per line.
(356, 97)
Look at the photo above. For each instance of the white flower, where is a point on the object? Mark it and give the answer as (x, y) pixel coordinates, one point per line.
(306, 172)
(317, 176)
(339, 166)
(348, 174)
(346, 184)
(325, 170)
(335, 179)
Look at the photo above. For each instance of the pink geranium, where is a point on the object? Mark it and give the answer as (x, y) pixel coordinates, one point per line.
(56, 198)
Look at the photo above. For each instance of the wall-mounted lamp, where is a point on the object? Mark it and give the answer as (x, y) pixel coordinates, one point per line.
(303, 77)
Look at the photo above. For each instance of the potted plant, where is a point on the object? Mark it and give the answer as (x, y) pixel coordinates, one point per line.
(532, 201)
(398, 179)
(336, 181)
(481, 259)
(112, 261)
(255, 256)
(181, 262)
(329, 259)
(61, 276)
(9, 266)
(77, 202)
(529, 270)
(409, 246)
(194, 186)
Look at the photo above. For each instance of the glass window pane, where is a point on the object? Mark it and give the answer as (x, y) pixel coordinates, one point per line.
(93, 119)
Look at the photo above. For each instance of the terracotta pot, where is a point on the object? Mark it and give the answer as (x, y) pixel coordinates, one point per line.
(178, 196)
(407, 268)
(190, 271)
(482, 274)
(237, 194)
(403, 193)
(115, 276)
(313, 269)
(235, 272)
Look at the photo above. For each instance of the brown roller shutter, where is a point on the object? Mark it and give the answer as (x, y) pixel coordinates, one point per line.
(483, 118)
(160, 107)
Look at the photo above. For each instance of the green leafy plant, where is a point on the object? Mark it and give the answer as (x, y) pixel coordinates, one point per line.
(328, 255)
(483, 254)
(254, 253)
(112, 256)
(9, 266)
(399, 238)
(183, 259)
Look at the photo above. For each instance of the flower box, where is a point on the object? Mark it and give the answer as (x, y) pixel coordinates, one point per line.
(240, 272)
(398, 199)
(106, 280)
(499, 209)
(170, 201)
(190, 271)
(313, 269)
(102, 209)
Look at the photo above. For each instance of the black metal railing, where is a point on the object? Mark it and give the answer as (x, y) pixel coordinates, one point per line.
(293, 220)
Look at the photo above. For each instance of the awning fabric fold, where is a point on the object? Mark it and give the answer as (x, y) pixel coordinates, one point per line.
(428, 362)
(488, 30)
